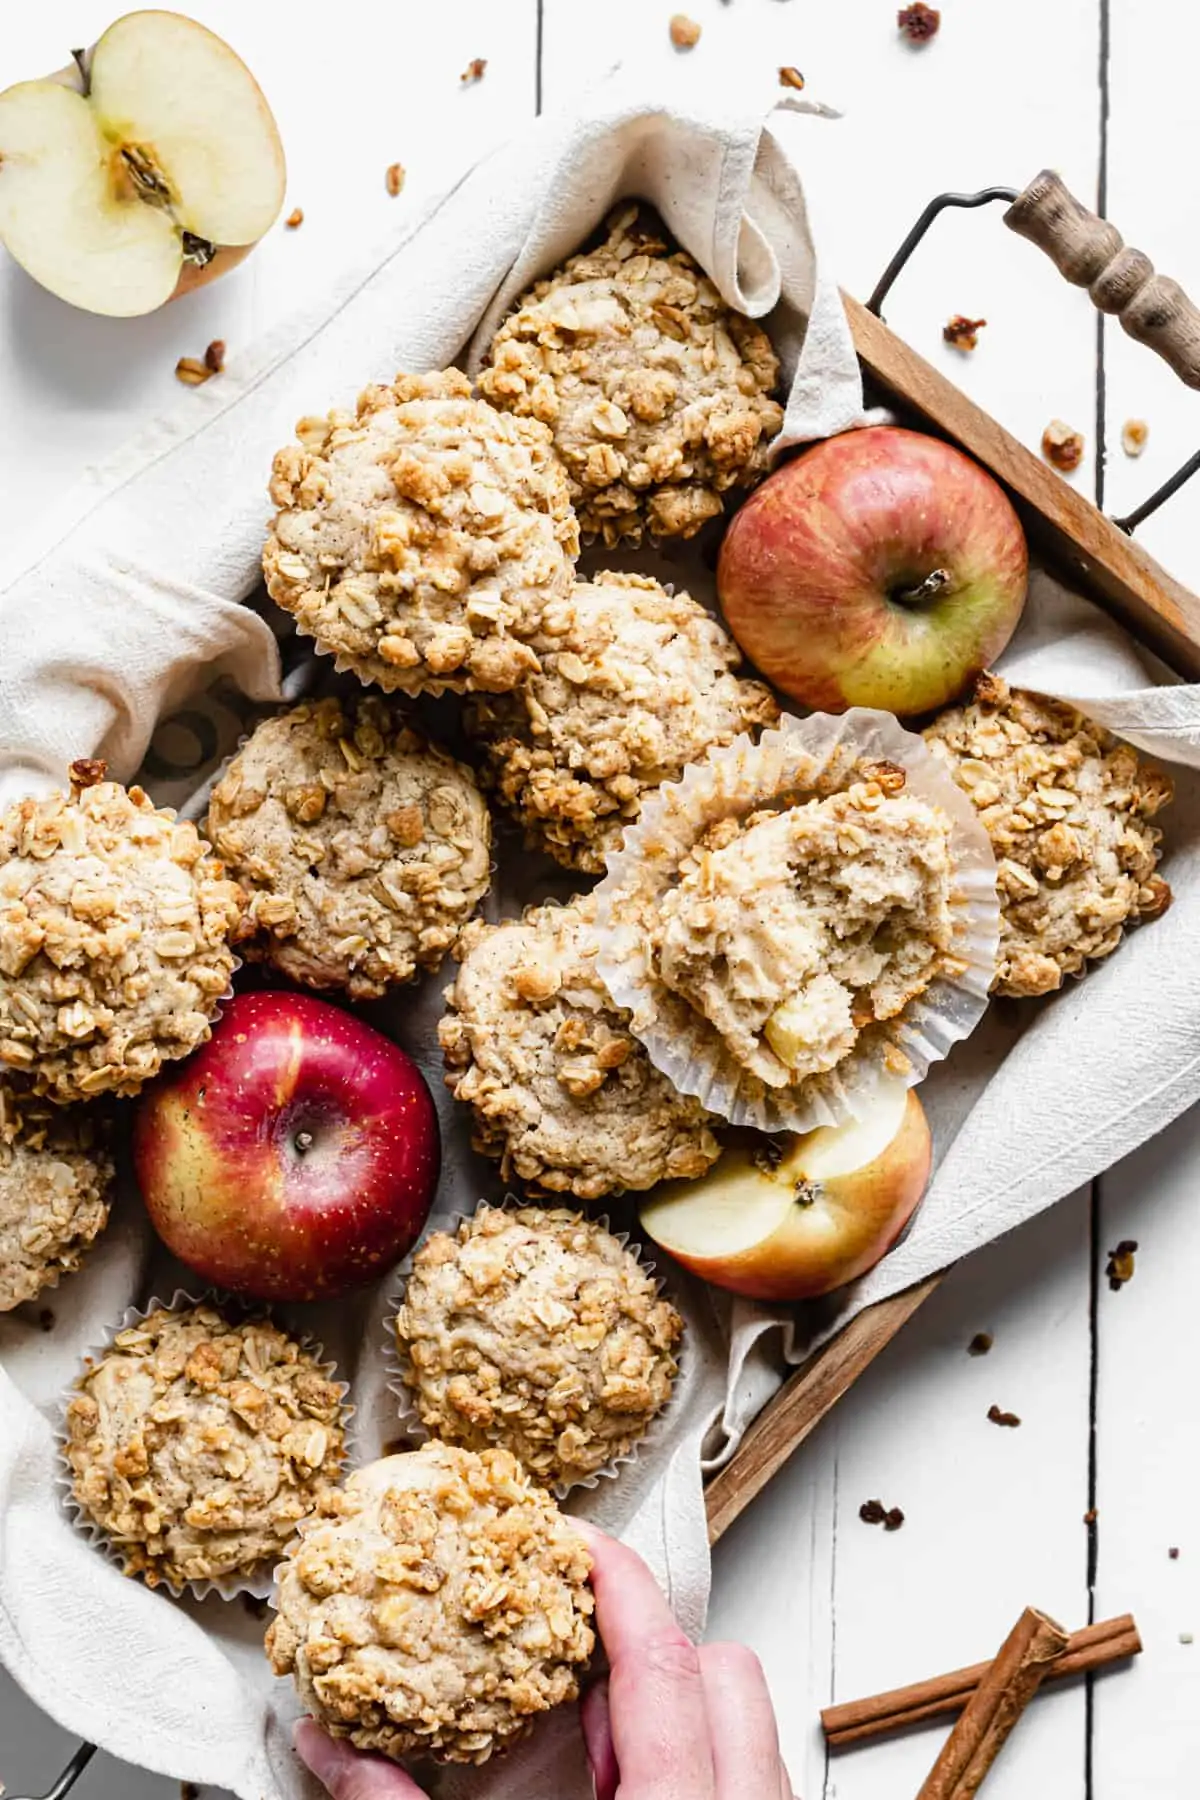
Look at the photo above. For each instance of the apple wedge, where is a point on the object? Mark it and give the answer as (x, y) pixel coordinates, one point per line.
(796, 1217)
(150, 167)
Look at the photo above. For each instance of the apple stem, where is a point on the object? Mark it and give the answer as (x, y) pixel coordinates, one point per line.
(80, 59)
(929, 589)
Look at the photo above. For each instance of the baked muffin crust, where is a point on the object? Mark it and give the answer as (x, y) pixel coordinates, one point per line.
(435, 1606)
(563, 1094)
(197, 1446)
(1068, 809)
(539, 1332)
(657, 393)
(794, 932)
(56, 1178)
(419, 538)
(115, 932)
(363, 848)
(635, 684)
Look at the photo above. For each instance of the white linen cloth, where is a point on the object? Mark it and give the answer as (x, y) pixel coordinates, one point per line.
(139, 601)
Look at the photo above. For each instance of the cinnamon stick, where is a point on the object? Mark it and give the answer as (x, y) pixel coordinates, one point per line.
(857, 1721)
(1031, 1647)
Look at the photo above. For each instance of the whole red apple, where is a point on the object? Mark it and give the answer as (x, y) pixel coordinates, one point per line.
(881, 568)
(294, 1157)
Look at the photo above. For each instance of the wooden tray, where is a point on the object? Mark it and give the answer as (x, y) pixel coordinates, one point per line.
(1098, 559)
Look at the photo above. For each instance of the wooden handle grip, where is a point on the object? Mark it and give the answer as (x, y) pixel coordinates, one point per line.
(1091, 253)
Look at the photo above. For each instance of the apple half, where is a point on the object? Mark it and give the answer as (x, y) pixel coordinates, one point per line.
(798, 1216)
(151, 166)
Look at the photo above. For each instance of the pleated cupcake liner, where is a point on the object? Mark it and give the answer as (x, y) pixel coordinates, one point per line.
(410, 1425)
(798, 760)
(257, 1583)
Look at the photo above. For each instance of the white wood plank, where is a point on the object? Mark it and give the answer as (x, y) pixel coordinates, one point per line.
(381, 85)
(993, 1522)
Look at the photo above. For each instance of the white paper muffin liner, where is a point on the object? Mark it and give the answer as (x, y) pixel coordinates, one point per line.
(798, 760)
(410, 1425)
(259, 1583)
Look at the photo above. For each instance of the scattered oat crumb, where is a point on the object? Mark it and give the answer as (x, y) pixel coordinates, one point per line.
(685, 33)
(790, 77)
(1134, 433)
(919, 22)
(874, 1512)
(999, 1417)
(294, 219)
(214, 356)
(1185, 1637)
(1173, 1553)
(1091, 1515)
(1121, 1263)
(1061, 446)
(394, 178)
(962, 332)
(980, 1344)
(474, 70)
(192, 372)
(46, 1321)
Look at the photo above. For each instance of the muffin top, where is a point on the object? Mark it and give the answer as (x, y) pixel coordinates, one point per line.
(364, 849)
(540, 1332)
(115, 931)
(434, 1606)
(56, 1178)
(635, 684)
(1067, 807)
(657, 393)
(418, 539)
(563, 1093)
(794, 932)
(197, 1445)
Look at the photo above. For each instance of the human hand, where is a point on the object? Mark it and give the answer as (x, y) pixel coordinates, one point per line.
(670, 1722)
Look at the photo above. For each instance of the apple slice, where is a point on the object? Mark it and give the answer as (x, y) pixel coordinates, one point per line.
(799, 1216)
(151, 167)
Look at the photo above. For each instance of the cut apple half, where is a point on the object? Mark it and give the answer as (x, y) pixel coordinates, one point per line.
(797, 1216)
(148, 168)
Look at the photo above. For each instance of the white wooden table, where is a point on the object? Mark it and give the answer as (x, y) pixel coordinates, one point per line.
(1103, 1382)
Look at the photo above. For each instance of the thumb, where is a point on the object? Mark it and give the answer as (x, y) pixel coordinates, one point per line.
(348, 1773)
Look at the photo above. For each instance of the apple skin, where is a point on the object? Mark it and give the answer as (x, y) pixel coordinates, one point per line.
(810, 562)
(231, 1193)
(849, 1224)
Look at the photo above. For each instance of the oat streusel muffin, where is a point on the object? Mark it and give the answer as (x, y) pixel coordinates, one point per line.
(794, 932)
(115, 932)
(363, 848)
(419, 538)
(636, 683)
(197, 1446)
(435, 1606)
(562, 1092)
(540, 1332)
(1067, 807)
(658, 395)
(56, 1178)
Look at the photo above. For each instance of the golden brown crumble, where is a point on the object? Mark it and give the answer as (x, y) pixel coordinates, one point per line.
(115, 929)
(1067, 808)
(435, 1607)
(363, 848)
(962, 333)
(635, 684)
(658, 395)
(539, 1332)
(394, 179)
(1135, 434)
(197, 1446)
(56, 1179)
(419, 538)
(563, 1093)
(1062, 446)
(684, 32)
